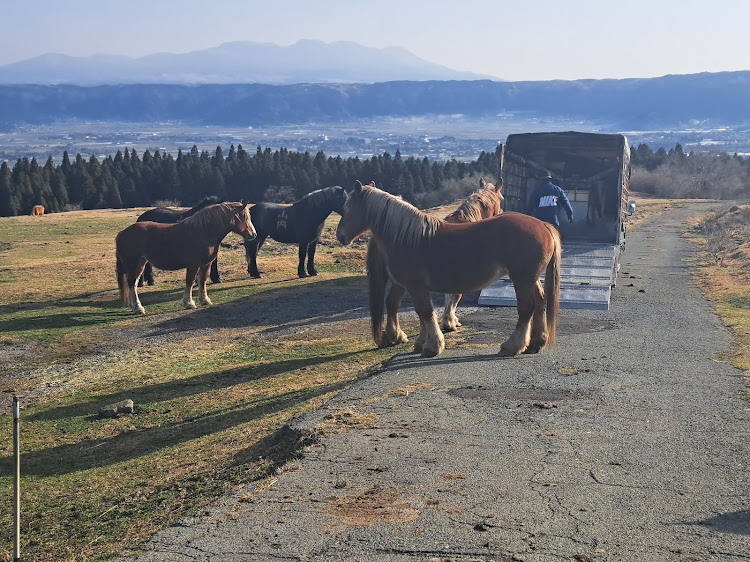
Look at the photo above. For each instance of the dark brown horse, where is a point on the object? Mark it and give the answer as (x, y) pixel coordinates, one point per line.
(191, 244)
(167, 215)
(424, 253)
(482, 204)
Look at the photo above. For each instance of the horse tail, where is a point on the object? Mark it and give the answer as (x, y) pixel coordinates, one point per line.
(122, 280)
(377, 279)
(552, 286)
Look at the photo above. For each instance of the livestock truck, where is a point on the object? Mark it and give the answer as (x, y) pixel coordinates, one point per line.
(594, 171)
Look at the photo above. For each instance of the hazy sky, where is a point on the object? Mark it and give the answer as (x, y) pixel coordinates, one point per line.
(512, 40)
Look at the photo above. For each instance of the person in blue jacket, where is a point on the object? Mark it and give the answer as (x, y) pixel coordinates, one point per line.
(547, 199)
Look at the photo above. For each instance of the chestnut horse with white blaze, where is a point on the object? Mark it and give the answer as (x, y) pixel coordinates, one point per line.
(191, 244)
(482, 204)
(424, 253)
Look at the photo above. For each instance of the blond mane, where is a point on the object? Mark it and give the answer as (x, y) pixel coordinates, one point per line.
(396, 220)
(221, 213)
(471, 209)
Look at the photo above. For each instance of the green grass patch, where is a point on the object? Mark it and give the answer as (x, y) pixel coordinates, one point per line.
(212, 398)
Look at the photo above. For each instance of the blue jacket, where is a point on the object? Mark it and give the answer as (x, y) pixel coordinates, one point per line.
(546, 201)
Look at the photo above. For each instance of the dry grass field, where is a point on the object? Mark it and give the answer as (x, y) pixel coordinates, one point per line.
(214, 388)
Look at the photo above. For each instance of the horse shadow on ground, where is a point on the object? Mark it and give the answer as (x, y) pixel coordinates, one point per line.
(87, 454)
(737, 522)
(182, 388)
(279, 309)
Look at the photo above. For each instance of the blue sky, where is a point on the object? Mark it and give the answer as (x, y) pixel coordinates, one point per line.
(518, 40)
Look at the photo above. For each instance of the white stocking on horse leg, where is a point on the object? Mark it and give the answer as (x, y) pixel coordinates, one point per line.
(203, 295)
(187, 298)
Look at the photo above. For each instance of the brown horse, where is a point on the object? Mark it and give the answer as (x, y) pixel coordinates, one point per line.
(191, 244)
(37, 210)
(424, 253)
(482, 204)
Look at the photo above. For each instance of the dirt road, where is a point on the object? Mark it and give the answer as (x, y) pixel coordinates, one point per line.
(628, 442)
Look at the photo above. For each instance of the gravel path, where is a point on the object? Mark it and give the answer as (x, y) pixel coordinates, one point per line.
(628, 442)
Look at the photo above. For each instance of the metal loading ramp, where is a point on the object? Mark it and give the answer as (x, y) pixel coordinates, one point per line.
(588, 273)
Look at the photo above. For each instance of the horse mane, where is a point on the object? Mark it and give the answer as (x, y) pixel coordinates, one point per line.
(393, 218)
(221, 213)
(320, 198)
(471, 209)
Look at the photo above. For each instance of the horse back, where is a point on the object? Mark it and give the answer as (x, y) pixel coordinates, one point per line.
(523, 244)
(284, 223)
(161, 215)
(168, 246)
(466, 257)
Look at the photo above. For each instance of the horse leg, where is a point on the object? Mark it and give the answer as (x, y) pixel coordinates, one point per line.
(187, 298)
(433, 341)
(393, 333)
(311, 258)
(301, 264)
(132, 280)
(450, 321)
(519, 339)
(215, 271)
(252, 247)
(539, 334)
(148, 276)
(202, 294)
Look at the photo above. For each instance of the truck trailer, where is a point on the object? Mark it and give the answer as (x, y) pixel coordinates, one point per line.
(594, 171)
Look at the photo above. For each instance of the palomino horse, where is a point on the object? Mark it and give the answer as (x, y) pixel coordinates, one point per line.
(424, 253)
(191, 244)
(168, 216)
(482, 204)
(37, 210)
(297, 223)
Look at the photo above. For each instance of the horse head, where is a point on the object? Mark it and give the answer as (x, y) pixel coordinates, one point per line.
(242, 224)
(497, 199)
(339, 199)
(353, 217)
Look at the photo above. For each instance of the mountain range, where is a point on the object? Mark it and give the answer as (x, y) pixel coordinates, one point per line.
(242, 62)
(258, 84)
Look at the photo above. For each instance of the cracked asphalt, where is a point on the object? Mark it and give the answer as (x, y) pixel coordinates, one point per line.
(628, 442)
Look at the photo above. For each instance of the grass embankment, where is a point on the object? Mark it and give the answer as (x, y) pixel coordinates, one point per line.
(212, 401)
(723, 273)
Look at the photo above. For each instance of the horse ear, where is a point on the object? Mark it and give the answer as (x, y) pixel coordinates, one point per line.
(372, 184)
(482, 183)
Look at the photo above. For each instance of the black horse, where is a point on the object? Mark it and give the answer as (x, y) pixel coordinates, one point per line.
(168, 216)
(297, 223)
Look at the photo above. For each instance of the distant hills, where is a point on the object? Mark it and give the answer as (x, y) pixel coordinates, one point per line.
(243, 62)
(262, 84)
(697, 99)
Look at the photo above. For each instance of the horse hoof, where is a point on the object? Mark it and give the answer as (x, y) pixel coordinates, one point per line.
(312, 273)
(150, 283)
(532, 349)
(429, 352)
(302, 275)
(255, 276)
(140, 310)
(217, 280)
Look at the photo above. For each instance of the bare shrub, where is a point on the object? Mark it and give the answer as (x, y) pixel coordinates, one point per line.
(450, 191)
(279, 194)
(726, 232)
(163, 203)
(72, 207)
(707, 174)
